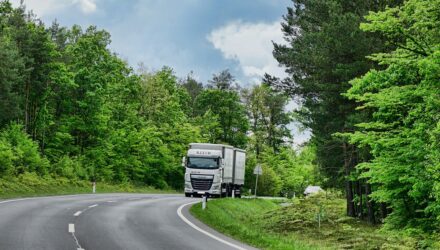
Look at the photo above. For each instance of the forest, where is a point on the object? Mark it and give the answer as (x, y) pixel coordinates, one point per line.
(366, 73)
(72, 108)
(368, 76)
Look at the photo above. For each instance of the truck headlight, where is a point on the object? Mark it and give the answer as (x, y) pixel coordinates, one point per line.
(188, 185)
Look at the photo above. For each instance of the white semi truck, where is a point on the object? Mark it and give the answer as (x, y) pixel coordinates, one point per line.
(214, 169)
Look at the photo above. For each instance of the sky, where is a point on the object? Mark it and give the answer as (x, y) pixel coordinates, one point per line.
(199, 36)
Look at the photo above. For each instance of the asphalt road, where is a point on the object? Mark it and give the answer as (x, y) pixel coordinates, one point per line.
(106, 221)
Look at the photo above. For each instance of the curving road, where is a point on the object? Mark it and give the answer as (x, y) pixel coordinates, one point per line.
(106, 221)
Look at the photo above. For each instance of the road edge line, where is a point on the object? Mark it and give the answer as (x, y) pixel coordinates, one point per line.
(40, 197)
(15, 200)
(180, 214)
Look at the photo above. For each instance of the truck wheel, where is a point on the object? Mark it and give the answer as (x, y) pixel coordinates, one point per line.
(187, 194)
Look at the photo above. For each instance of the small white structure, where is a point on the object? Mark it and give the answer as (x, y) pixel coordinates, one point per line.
(313, 190)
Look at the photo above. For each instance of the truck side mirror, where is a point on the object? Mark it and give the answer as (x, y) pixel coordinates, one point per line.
(183, 161)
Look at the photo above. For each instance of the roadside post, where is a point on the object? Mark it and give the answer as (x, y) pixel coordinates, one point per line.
(204, 201)
(94, 187)
(257, 171)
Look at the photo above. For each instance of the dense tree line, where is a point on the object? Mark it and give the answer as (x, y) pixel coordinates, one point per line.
(286, 171)
(366, 74)
(71, 108)
(376, 136)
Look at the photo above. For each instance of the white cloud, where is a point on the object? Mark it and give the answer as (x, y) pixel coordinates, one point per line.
(47, 7)
(251, 45)
(87, 6)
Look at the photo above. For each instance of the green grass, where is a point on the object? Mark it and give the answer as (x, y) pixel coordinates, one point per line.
(242, 220)
(267, 224)
(31, 185)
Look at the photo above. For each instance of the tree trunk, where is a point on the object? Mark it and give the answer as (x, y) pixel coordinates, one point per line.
(356, 197)
(370, 205)
(257, 146)
(383, 210)
(361, 205)
(348, 183)
(34, 120)
(349, 195)
(26, 107)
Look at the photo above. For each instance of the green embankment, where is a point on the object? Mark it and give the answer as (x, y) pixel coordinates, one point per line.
(241, 219)
(29, 185)
(293, 224)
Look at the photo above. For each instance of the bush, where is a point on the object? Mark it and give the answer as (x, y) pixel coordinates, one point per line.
(284, 173)
(7, 158)
(269, 184)
(70, 168)
(19, 153)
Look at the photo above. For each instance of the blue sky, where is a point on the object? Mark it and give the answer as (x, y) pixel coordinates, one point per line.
(203, 36)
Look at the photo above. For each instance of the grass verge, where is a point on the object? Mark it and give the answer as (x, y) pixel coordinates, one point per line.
(241, 219)
(294, 224)
(31, 185)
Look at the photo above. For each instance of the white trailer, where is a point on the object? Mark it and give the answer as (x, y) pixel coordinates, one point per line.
(214, 169)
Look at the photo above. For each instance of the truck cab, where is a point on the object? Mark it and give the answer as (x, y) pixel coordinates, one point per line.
(203, 172)
(213, 169)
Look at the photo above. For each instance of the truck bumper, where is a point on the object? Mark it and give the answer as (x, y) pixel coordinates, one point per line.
(195, 191)
(215, 189)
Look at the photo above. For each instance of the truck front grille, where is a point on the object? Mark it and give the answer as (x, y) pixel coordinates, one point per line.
(201, 184)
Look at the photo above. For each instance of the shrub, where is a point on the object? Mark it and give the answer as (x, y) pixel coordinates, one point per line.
(19, 153)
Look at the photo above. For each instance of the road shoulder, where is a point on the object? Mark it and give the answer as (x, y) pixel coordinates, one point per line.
(185, 212)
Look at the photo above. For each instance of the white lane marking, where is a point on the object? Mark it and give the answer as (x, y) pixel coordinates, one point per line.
(179, 213)
(47, 197)
(7, 201)
(111, 201)
(72, 231)
(71, 228)
(78, 213)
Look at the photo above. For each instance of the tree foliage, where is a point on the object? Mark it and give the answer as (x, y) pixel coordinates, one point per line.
(20, 153)
(325, 50)
(85, 113)
(367, 74)
(404, 102)
(231, 113)
(268, 117)
(70, 108)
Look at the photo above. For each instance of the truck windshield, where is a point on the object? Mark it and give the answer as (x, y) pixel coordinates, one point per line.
(204, 163)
